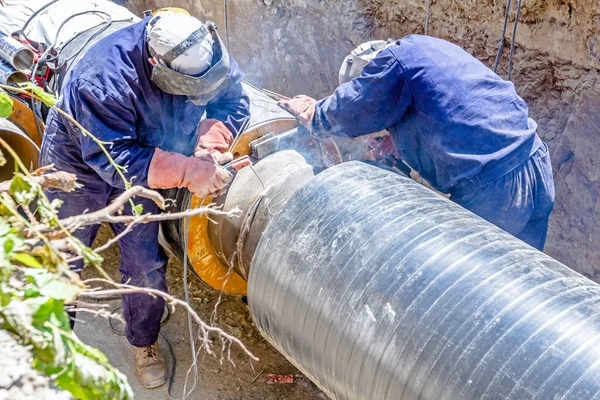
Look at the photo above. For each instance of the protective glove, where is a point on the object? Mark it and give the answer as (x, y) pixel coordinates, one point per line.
(213, 135)
(381, 147)
(301, 107)
(201, 176)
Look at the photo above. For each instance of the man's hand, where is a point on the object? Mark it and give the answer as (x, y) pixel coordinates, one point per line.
(213, 135)
(201, 176)
(301, 107)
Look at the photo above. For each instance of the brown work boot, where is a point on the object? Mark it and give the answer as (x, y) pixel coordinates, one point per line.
(150, 366)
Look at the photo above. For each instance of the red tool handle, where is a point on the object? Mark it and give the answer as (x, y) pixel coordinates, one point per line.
(237, 164)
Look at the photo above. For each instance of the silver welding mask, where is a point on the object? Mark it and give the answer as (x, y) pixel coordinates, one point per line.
(361, 56)
(199, 89)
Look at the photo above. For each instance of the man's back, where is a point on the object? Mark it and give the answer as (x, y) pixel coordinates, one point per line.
(463, 120)
(451, 118)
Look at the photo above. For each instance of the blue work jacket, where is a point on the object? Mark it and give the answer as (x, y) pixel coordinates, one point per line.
(110, 93)
(450, 117)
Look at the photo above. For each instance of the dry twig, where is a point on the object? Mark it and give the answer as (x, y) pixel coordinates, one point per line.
(107, 214)
(205, 330)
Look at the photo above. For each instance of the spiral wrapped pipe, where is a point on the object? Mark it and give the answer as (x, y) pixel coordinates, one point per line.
(377, 288)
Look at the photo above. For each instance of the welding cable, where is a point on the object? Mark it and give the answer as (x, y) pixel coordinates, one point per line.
(32, 16)
(501, 45)
(44, 56)
(512, 42)
(36, 116)
(225, 23)
(427, 16)
(186, 291)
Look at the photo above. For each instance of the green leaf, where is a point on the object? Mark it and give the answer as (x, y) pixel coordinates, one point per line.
(27, 260)
(52, 310)
(46, 98)
(50, 285)
(6, 106)
(138, 209)
(91, 257)
(22, 189)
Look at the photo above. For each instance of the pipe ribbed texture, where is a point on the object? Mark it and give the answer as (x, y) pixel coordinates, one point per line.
(378, 288)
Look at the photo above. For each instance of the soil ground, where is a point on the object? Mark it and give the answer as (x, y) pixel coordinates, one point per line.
(216, 381)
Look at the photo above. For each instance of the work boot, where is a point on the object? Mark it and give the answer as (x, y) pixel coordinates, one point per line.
(150, 366)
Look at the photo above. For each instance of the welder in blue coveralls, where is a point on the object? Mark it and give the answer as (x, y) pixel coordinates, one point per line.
(144, 89)
(450, 118)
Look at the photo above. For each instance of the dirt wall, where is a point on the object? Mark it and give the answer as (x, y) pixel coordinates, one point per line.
(296, 46)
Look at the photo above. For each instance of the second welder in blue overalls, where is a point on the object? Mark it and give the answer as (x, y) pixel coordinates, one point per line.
(458, 124)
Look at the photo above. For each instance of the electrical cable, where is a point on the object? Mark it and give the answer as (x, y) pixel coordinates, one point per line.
(43, 57)
(36, 116)
(512, 42)
(186, 291)
(427, 17)
(35, 14)
(501, 45)
(225, 23)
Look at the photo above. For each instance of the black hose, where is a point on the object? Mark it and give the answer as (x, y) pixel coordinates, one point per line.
(226, 27)
(44, 57)
(35, 14)
(512, 42)
(501, 45)
(427, 17)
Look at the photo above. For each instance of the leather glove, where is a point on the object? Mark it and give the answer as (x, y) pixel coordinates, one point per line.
(201, 176)
(301, 107)
(381, 147)
(213, 135)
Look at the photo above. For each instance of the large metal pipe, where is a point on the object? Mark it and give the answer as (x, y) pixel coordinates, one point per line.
(27, 150)
(267, 119)
(378, 288)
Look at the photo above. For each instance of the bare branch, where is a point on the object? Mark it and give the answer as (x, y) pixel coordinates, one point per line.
(116, 238)
(97, 312)
(205, 329)
(107, 214)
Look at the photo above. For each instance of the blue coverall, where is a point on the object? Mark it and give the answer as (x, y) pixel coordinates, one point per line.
(111, 94)
(458, 124)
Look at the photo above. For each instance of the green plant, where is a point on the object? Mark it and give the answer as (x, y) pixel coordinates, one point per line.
(37, 284)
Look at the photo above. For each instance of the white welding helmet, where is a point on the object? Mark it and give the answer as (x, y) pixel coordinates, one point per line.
(188, 57)
(361, 56)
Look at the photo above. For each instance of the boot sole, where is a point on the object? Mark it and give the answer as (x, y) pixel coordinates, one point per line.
(155, 384)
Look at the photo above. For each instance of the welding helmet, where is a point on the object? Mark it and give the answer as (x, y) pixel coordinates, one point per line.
(196, 65)
(361, 56)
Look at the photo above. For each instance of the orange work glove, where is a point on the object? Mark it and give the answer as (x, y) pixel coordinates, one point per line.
(213, 135)
(201, 176)
(301, 107)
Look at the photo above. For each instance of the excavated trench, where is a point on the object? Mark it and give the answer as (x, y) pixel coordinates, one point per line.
(296, 46)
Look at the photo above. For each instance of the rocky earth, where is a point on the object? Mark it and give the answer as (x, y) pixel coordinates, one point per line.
(296, 46)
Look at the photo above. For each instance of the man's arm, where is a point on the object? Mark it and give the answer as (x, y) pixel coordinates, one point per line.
(369, 103)
(110, 120)
(226, 116)
(232, 105)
